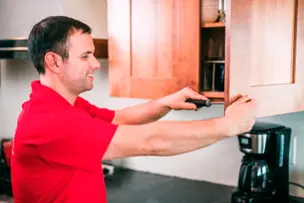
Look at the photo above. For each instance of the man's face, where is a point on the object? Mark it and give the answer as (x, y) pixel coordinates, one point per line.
(77, 72)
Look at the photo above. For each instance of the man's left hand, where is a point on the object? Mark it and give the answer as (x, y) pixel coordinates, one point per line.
(177, 100)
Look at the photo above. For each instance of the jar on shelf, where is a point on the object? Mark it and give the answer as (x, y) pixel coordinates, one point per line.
(209, 11)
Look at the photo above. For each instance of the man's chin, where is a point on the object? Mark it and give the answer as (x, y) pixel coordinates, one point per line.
(89, 88)
(86, 89)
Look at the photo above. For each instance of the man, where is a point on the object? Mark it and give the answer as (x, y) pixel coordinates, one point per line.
(61, 138)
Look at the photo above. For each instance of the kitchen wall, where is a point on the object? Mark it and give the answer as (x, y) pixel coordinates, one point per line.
(217, 163)
(18, 16)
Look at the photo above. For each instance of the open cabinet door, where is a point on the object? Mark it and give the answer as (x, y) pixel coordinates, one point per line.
(153, 47)
(265, 43)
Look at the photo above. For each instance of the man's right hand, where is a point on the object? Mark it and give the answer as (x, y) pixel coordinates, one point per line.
(241, 114)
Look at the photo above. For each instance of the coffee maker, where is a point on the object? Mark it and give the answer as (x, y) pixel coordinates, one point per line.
(264, 171)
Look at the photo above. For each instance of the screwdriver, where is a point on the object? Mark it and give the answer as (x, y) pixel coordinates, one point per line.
(199, 103)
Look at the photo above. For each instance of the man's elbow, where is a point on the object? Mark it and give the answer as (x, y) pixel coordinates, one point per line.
(158, 146)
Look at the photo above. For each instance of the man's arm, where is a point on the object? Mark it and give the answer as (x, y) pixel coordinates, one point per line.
(156, 109)
(138, 114)
(141, 113)
(165, 138)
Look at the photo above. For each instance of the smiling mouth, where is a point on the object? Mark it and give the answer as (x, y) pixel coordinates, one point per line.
(90, 76)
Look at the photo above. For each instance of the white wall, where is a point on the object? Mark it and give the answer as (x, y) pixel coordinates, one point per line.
(217, 163)
(18, 16)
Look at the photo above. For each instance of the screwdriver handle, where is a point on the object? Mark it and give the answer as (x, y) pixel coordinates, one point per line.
(199, 103)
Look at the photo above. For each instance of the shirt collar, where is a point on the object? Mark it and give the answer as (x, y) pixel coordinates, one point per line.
(47, 95)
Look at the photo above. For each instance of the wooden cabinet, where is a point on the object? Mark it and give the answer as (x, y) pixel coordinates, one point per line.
(266, 46)
(157, 47)
(151, 53)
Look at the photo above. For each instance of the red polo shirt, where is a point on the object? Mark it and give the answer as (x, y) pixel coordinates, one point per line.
(58, 149)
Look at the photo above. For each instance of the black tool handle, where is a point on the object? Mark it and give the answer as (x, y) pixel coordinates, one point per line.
(199, 103)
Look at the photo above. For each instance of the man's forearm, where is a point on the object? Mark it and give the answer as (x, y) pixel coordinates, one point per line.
(171, 138)
(165, 138)
(141, 113)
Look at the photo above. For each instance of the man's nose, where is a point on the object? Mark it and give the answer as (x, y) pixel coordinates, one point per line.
(95, 63)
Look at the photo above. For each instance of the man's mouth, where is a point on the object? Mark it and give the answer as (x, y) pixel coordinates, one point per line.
(90, 76)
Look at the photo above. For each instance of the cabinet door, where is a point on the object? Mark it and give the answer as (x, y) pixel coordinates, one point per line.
(153, 47)
(265, 46)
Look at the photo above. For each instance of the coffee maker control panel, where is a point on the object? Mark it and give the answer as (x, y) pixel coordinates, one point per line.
(253, 143)
(245, 142)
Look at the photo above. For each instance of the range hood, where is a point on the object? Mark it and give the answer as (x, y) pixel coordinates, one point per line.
(13, 48)
(16, 48)
(18, 16)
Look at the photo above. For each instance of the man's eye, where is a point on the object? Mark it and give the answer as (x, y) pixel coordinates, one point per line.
(85, 57)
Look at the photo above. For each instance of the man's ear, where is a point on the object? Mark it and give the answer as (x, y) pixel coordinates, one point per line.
(53, 62)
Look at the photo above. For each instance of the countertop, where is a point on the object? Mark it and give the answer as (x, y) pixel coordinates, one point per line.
(128, 186)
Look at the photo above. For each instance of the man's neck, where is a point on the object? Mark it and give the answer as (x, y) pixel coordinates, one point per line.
(59, 88)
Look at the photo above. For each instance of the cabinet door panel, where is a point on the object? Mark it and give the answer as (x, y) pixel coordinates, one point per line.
(266, 46)
(153, 47)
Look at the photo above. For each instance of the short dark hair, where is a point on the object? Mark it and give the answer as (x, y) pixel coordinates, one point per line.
(50, 34)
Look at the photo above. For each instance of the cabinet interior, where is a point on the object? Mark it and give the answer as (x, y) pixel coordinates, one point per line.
(212, 61)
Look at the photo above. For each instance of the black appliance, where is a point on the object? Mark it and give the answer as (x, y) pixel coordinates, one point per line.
(5, 175)
(264, 171)
(15, 48)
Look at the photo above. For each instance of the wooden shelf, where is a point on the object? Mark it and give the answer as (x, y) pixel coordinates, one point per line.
(213, 25)
(101, 48)
(215, 97)
(213, 94)
(214, 61)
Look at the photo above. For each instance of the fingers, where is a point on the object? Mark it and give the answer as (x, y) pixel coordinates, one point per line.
(235, 98)
(251, 107)
(243, 99)
(189, 106)
(253, 103)
(199, 97)
(190, 93)
(239, 99)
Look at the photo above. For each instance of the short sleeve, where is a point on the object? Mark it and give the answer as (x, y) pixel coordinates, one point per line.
(76, 139)
(94, 111)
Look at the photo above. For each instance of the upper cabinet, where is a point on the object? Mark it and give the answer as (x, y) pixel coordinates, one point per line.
(266, 53)
(157, 47)
(153, 47)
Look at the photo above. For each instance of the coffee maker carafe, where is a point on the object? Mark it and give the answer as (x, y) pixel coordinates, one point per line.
(264, 171)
